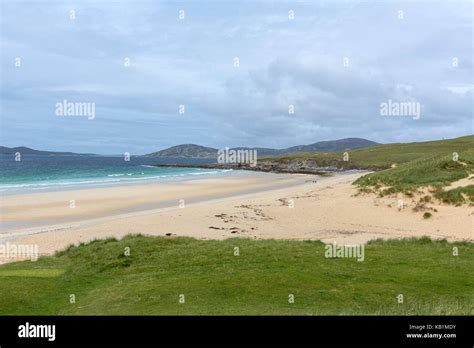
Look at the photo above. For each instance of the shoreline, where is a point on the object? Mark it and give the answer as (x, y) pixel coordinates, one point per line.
(70, 186)
(84, 223)
(255, 206)
(150, 207)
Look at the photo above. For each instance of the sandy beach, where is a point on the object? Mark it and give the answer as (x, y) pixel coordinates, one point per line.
(256, 206)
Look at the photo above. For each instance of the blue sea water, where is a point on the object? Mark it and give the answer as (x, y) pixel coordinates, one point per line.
(38, 172)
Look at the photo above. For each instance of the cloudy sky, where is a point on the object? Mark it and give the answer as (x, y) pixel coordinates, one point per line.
(334, 61)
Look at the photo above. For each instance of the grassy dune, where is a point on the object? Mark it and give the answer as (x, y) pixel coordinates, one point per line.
(214, 281)
(435, 172)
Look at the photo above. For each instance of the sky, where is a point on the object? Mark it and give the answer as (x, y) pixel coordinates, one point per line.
(226, 73)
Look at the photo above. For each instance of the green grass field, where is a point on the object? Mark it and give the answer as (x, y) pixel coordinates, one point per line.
(216, 282)
(385, 156)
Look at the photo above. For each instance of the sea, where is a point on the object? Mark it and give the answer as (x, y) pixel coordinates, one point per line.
(44, 172)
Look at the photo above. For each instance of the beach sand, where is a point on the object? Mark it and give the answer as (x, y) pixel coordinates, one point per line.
(256, 206)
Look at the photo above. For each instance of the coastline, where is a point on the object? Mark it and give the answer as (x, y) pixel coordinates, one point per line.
(290, 166)
(254, 206)
(39, 173)
(84, 202)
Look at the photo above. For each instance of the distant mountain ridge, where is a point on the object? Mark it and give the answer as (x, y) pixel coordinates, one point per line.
(204, 152)
(198, 151)
(28, 151)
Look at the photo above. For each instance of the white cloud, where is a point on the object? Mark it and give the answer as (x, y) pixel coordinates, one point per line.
(190, 62)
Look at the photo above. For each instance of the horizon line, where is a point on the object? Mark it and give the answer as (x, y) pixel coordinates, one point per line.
(238, 147)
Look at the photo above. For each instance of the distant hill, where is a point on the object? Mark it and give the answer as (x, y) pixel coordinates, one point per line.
(198, 151)
(186, 151)
(28, 151)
